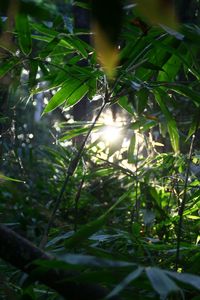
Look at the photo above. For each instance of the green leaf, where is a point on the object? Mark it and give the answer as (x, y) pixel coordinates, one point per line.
(136, 228)
(89, 260)
(161, 97)
(69, 261)
(170, 68)
(143, 124)
(82, 4)
(131, 149)
(127, 280)
(68, 87)
(79, 46)
(186, 278)
(161, 283)
(50, 47)
(176, 34)
(148, 65)
(123, 102)
(173, 50)
(65, 40)
(103, 172)
(44, 68)
(142, 96)
(59, 238)
(193, 125)
(93, 226)
(3, 178)
(71, 91)
(24, 35)
(44, 29)
(78, 131)
(85, 232)
(185, 91)
(33, 73)
(7, 66)
(78, 94)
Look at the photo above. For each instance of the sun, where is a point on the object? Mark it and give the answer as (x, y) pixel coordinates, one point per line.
(110, 134)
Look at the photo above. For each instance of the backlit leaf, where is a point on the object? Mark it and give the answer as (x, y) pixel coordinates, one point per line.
(71, 91)
(161, 98)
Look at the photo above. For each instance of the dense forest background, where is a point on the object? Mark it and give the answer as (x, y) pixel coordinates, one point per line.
(99, 149)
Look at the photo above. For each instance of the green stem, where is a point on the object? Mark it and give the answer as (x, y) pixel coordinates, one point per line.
(182, 205)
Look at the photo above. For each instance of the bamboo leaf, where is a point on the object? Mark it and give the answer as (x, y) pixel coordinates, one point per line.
(127, 280)
(131, 149)
(93, 226)
(24, 35)
(185, 91)
(78, 94)
(71, 91)
(49, 48)
(3, 178)
(161, 97)
(7, 66)
(186, 278)
(161, 283)
(78, 131)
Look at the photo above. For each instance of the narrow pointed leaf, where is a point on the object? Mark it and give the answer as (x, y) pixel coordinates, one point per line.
(49, 48)
(161, 98)
(127, 280)
(93, 226)
(3, 178)
(131, 149)
(161, 283)
(71, 91)
(24, 35)
(185, 91)
(85, 232)
(33, 73)
(186, 278)
(81, 259)
(7, 66)
(78, 94)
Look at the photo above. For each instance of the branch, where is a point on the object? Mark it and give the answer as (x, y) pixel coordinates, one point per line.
(21, 253)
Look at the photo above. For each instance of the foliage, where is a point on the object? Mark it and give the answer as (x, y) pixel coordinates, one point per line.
(121, 206)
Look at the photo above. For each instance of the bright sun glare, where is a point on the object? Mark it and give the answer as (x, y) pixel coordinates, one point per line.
(110, 134)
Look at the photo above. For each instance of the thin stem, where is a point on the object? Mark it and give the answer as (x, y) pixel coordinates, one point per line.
(78, 194)
(182, 205)
(137, 204)
(71, 169)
